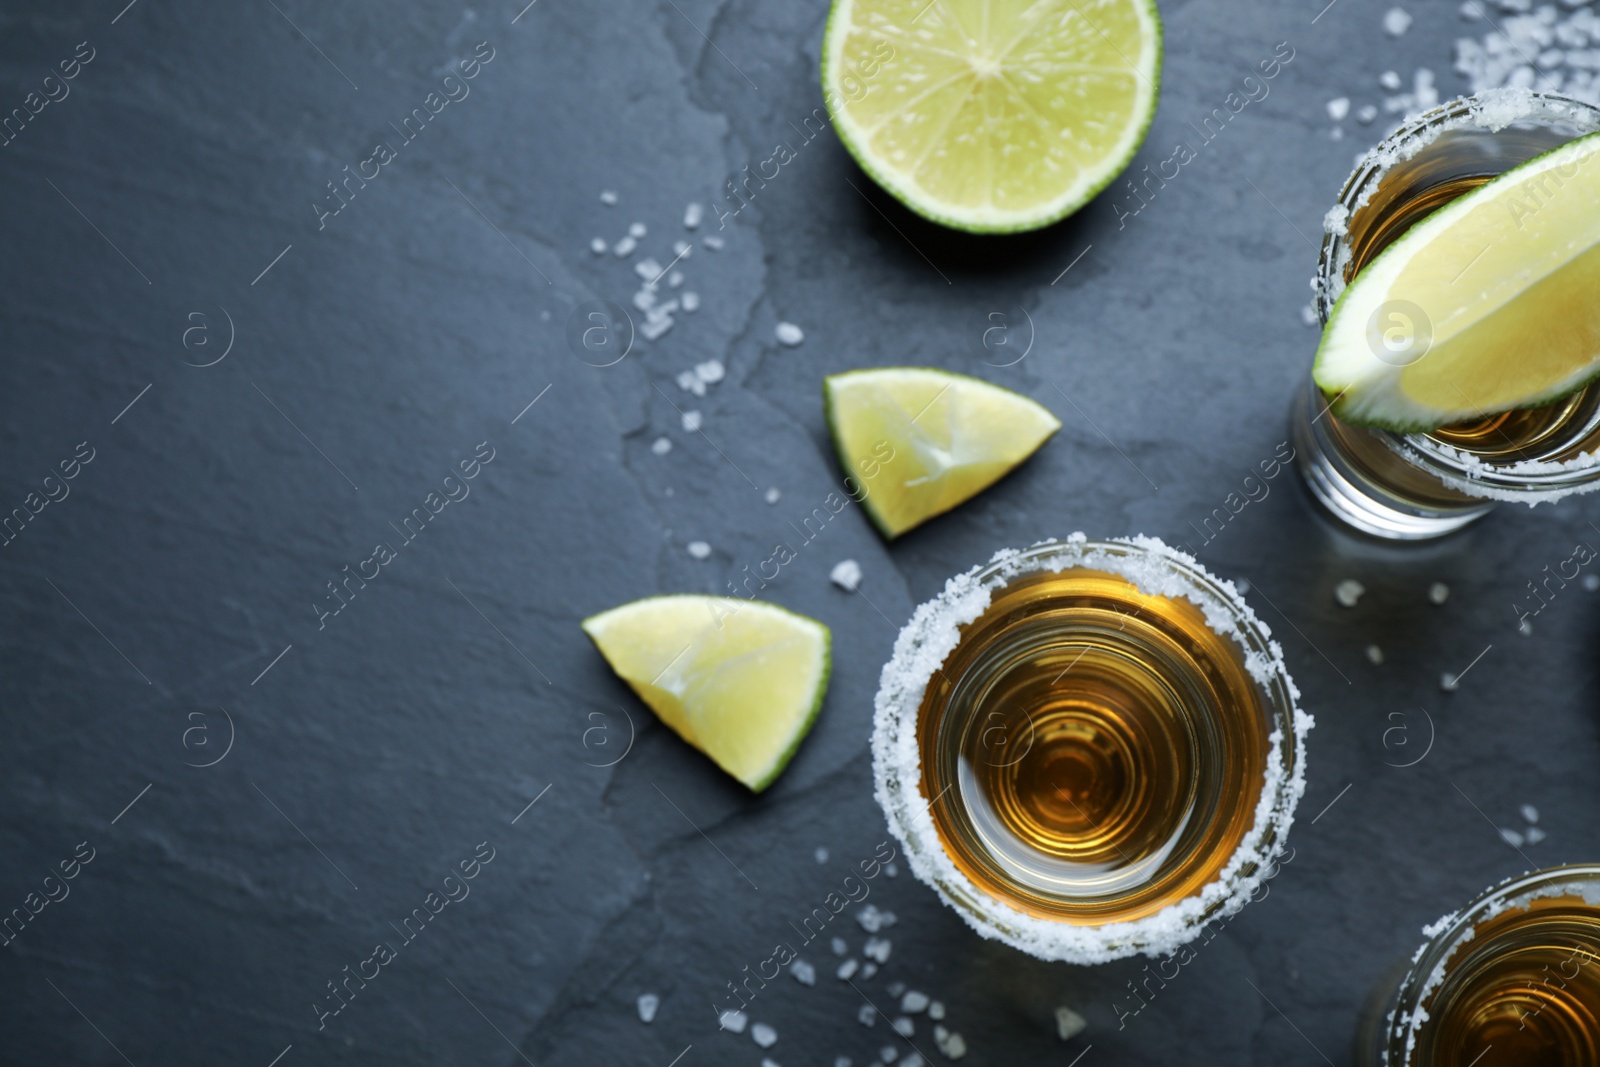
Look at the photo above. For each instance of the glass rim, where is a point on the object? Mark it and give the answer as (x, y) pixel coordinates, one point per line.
(1530, 481)
(932, 635)
(1455, 929)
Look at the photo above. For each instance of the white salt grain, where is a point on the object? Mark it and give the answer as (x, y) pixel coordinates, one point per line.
(888, 1054)
(711, 371)
(1338, 108)
(803, 972)
(608, 197)
(625, 246)
(699, 549)
(1308, 314)
(1366, 113)
(892, 870)
(1389, 80)
(647, 268)
(734, 1021)
(1449, 682)
(675, 279)
(839, 946)
(691, 421)
(654, 328)
(768, 1061)
(866, 1015)
(772, 496)
(714, 243)
(872, 919)
(877, 948)
(847, 970)
(691, 301)
(764, 1035)
(648, 1003)
(1396, 21)
(846, 574)
(598, 246)
(936, 1010)
(914, 1002)
(661, 446)
(843, 1061)
(681, 248)
(1511, 837)
(868, 969)
(788, 333)
(1438, 592)
(1374, 655)
(905, 1027)
(894, 989)
(1069, 1024)
(954, 1047)
(1530, 814)
(1535, 835)
(1348, 592)
(1591, 582)
(637, 230)
(692, 216)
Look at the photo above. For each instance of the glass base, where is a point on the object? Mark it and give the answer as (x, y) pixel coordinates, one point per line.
(1364, 484)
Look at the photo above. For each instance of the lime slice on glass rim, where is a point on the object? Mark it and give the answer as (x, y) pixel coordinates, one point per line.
(918, 441)
(1489, 304)
(992, 116)
(740, 680)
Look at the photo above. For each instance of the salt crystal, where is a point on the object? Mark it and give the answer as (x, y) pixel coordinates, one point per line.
(877, 948)
(846, 574)
(1336, 134)
(912, 1059)
(1389, 80)
(1471, 11)
(1348, 592)
(608, 197)
(872, 919)
(661, 446)
(888, 1054)
(699, 549)
(644, 299)
(654, 328)
(691, 421)
(711, 371)
(1530, 814)
(764, 1035)
(803, 972)
(1396, 21)
(1374, 655)
(1511, 837)
(866, 1015)
(1243, 585)
(647, 268)
(598, 246)
(847, 970)
(675, 279)
(687, 381)
(768, 1061)
(1591, 582)
(843, 1061)
(954, 1047)
(839, 946)
(1308, 314)
(714, 243)
(692, 216)
(734, 1021)
(648, 1003)
(939, 1034)
(904, 1027)
(1449, 682)
(1366, 113)
(892, 870)
(1338, 107)
(1525, 628)
(914, 1002)
(894, 989)
(691, 301)
(868, 969)
(772, 496)
(637, 230)
(1535, 835)
(788, 333)
(1438, 592)
(681, 248)
(936, 1010)
(1069, 1024)
(625, 246)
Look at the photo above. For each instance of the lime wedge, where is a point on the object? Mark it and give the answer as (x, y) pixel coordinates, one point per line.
(1487, 305)
(740, 680)
(992, 116)
(918, 441)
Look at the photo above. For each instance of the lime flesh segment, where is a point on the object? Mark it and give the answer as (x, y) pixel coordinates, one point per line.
(918, 441)
(992, 115)
(740, 680)
(1487, 305)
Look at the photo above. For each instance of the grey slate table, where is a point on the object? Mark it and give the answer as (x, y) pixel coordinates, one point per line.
(268, 389)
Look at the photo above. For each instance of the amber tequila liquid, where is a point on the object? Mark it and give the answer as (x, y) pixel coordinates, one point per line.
(1515, 982)
(1414, 486)
(1093, 753)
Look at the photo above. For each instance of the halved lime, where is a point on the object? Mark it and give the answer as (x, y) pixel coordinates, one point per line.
(740, 680)
(992, 115)
(1489, 304)
(917, 441)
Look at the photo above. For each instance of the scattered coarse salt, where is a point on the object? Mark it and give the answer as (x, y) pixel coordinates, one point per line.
(653, 328)
(692, 421)
(888, 1054)
(894, 989)
(644, 299)
(648, 269)
(711, 371)
(763, 1035)
(788, 334)
(608, 197)
(691, 301)
(1338, 108)
(904, 1027)
(598, 246)
(839, 945)
(690, 384)
(1535, 835)
(681, 248)
(1390, 80)
(847, 971)
(1366, 113)
(1470, 11)
(675, 279)
(1449, 682)
(1396, 21)
(892, 870)
(913, 1059)
(713, 242)
(872, 919)
(1530, 814)
(914, 1002)
(1525, 628)
(1374, 655)
(625, 246)
(772, 496)
(1348, 592)
(648, 1003)
(803, 972)
(1308, 314)
(868, 969)
(954, 1047)
(866, 1015)
(734, 1021)
(846, 574)
(1591, 582)
(692, 216)
(1438, 592)
(877, 948)
(843, 1061)
(661, 446)
(1069, 1024)
(637, 230)
(1511, 837)
(699, 549)
(936, 1010)
(768, 1061)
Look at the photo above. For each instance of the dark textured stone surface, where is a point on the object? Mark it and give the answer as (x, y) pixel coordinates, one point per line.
(381, 749)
